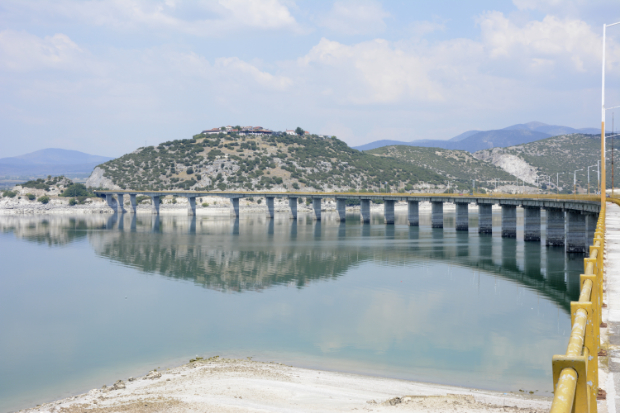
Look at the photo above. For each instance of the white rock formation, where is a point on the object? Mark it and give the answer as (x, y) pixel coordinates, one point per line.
(509, 163)
(97, 180)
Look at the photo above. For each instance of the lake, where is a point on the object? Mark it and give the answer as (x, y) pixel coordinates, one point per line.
(88, 300)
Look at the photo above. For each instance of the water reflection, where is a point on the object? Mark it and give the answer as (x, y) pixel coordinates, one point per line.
(410, 302)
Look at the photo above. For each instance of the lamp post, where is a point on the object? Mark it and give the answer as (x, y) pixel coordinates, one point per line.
(591, 166)
(603, 183)
(575, 181)
(557, 182)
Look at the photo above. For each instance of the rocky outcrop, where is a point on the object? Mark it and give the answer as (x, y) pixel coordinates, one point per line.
(98, 180)
(510, 163)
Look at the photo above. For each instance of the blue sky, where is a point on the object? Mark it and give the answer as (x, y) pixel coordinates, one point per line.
(106, 77)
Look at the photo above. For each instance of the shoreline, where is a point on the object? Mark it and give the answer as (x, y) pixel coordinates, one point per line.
(236, 385)
(27, 208)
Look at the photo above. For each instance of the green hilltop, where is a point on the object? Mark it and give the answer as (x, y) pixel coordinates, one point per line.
(268, 162)
(455, 165)
(560, 154)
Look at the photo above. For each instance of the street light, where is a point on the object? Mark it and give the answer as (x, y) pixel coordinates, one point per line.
(603, 184)
(557, 180)
(591, 166)
(575, 181)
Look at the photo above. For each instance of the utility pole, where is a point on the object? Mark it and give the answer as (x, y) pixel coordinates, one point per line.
(612, 155)
(603, 183)
(557, 180)
(575, 181)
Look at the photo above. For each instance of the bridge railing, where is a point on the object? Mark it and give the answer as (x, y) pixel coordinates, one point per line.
(575, 374)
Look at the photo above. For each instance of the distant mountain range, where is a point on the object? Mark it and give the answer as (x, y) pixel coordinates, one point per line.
(475, 140)
(51, 161)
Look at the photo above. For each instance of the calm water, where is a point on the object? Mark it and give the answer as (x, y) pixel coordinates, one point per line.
(86, 301)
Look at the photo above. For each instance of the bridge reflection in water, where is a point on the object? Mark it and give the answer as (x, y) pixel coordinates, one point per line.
(192, 251)
(410, 302)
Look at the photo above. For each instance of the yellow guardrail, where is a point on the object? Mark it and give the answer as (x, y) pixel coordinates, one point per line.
(575, 374)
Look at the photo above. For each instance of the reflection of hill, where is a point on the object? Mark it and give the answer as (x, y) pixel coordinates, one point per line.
(223, 262)
(254, 254)
(51, 230)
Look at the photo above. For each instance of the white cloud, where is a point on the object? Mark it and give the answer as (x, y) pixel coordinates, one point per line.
(199, 18)
(370, 72)
(21, 51)
(355, 17)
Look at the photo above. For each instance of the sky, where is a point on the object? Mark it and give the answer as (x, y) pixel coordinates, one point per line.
(107, 77)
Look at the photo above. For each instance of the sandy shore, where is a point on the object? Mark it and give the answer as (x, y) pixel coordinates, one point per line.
(243, 385)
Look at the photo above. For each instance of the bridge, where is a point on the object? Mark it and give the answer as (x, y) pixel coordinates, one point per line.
(571, 219)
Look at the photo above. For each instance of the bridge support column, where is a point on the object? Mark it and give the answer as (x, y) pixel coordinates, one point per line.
(271, 211)
(388, 211)
(121, 203)
(292, 204)
(341, 207)
(555, 227)
(575, 231)
(591, 220)
(109, 199)
(316, 206)
(134, 204)
(156, 201)
(413, 213)
(462, 216)
(234, 207)
(485, 218)
(365, 210)
(437, 214)
(191, 202)
(531, 223)
(509, 221)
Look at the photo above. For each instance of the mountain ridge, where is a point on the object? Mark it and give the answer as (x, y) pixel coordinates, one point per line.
(476, 140)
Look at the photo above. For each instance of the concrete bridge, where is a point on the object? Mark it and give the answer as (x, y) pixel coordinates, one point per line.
(571, 220)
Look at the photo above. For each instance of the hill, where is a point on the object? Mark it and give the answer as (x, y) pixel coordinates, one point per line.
(559, 154)
(453, 164)
(264, 162)
(475, 140)
(51, 161)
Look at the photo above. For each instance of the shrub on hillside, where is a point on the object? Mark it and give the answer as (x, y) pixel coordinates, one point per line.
(75, 190)
(73, 202)
(30, 197)
(44, 199)
(9, 194)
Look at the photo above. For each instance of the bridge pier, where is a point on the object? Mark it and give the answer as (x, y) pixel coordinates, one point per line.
(292, 204)
(109, 199)
(156, 201)
(271, 211)
(234, 207)
(462, 216)
(365, 210)
(388, 211)
(555, 227)
(133, 203)
(575, 231)
(121, 203)
(591, 220)
(341, 207)
(413, 213)
(509, 221)
(531, 223)
(437, 214)
(191, 209)
(316, 206)
(485, 218)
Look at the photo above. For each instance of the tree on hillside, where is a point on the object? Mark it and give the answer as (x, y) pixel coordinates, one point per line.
(238, 127)
(223, 128)
(299, 131)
